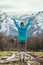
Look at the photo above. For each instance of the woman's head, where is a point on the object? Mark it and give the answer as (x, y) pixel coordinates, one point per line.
(22, 23)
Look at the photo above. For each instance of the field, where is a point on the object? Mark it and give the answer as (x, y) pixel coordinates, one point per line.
(37, 55)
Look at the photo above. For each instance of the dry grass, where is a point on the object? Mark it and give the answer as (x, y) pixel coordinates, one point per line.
(6, 53)
(38, 54)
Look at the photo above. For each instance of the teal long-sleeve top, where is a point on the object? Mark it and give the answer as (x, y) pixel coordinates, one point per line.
(22, 30)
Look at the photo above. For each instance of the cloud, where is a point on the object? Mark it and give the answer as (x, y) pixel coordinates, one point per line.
(7, 7)
(21, 5)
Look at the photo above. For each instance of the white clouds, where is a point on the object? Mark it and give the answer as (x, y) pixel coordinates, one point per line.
(21, 5)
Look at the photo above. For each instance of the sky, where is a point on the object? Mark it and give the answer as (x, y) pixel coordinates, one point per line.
(21, 5)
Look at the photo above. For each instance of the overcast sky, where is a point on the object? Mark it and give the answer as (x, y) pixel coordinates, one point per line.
(21, 5)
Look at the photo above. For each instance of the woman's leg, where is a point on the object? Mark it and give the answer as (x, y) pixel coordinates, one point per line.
(22, 49)
(25, 47)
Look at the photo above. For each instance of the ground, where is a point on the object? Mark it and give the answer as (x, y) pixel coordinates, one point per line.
(37, 55)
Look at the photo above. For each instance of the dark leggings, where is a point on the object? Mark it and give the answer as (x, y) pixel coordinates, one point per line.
(22, 46)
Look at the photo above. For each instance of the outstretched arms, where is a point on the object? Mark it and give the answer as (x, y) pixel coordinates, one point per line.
(28, 23)
(15, 22)
(30, 19)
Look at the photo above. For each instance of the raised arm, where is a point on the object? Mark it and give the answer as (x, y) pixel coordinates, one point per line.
(15, 22)
(30, 19)
(28, 23)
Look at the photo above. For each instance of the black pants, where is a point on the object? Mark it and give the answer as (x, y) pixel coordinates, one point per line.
(22, 46)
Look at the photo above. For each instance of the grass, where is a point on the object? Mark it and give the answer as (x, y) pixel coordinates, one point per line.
(6, 53)
(38, 54)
